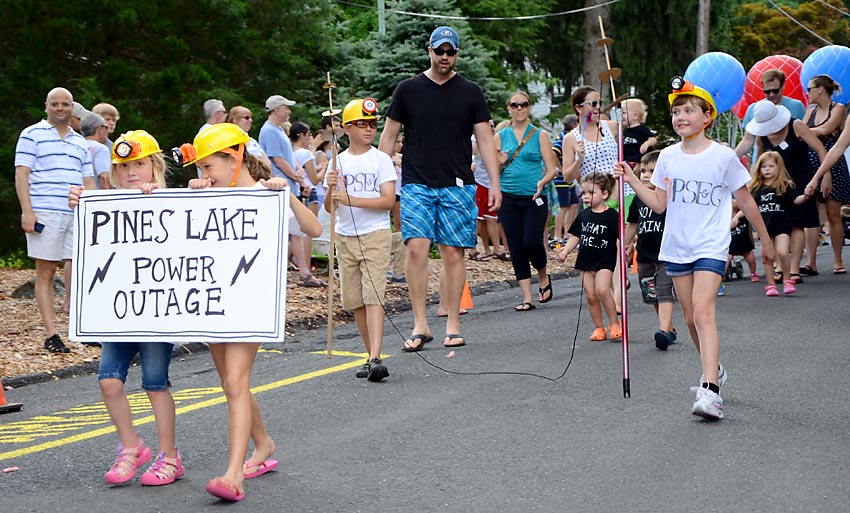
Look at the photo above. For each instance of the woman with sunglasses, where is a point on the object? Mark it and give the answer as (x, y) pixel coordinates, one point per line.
(242, 117)
(528, 165)
(825, 118)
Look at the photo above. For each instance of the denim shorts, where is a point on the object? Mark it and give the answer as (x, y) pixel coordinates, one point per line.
(711, 265)
(115, 358)
(445, 215)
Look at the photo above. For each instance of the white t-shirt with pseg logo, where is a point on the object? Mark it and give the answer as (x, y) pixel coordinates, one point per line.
(363, 176)
(699, 201)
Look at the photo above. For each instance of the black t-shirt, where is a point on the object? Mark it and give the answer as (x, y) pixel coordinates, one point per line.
(438, 121)
(633, 137)
(742, 238)
(774, 209)
(650, 229)
(598, 234)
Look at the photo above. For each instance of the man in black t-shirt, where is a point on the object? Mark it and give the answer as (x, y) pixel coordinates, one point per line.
(440, 110)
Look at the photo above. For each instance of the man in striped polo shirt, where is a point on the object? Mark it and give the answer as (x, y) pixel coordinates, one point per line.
(49, 158)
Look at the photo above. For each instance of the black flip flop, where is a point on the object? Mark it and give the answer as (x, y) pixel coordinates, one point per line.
(423, 339)
(454, 335)
(544, 290)
(524, 307)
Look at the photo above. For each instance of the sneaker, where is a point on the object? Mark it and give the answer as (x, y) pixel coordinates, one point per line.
(721, 377)
(377, 370)
(363, 371)
(722, 290)
(673, 335)
(163, 471)
(708, 405)
(128, 462)
(54, 344)
(662, 340)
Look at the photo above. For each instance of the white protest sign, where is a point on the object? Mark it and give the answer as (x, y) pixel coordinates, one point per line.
(180, 266)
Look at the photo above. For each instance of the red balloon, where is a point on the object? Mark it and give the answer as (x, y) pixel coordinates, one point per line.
(740, 108)
(753, 88)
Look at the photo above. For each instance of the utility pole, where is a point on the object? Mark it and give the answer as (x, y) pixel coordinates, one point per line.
(382, 23)
(702, 27)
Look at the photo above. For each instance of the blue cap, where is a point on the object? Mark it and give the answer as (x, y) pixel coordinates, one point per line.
(444, 35)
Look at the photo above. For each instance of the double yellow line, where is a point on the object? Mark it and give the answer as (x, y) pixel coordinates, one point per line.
(75, 418)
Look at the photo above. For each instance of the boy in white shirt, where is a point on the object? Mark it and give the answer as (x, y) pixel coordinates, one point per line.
(363, 188)
(694, 183)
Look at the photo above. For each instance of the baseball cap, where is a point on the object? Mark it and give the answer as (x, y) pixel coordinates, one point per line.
(444, 35)
(276, 101)
(79, 110)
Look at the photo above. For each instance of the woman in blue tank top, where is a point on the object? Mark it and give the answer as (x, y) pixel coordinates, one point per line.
(528, 164)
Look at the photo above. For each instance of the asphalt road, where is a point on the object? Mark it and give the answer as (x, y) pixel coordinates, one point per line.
(426, 440)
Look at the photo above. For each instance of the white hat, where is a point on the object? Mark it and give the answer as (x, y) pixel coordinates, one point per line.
(276, 101)
(768, 118)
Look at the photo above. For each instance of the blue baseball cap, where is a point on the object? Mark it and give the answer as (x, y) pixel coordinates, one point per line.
(444, 35)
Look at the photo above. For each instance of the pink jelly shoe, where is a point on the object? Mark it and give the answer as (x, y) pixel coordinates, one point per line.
(128, 462)
(770, 290)
(788, 287)
(163, 471)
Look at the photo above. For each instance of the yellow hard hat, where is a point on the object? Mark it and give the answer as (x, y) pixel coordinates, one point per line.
(682, 86)
(134, 145)
(212, 139)
(366, 108)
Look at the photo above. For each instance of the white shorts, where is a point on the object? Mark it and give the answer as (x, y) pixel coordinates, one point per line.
(56, 241)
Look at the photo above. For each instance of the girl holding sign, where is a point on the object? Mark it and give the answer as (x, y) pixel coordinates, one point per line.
(219, 152)
(137, 163)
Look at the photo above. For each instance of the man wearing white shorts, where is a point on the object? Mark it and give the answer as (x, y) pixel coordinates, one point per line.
(49, 158)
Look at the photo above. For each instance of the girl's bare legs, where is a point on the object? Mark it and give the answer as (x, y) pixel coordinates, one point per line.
(234, 362)
(781, 244)
(797, 243)
(119, 410)
(588, 281)
(811, 238)
(836, 231)
(603, 291)
(163, 411)
(698, 297)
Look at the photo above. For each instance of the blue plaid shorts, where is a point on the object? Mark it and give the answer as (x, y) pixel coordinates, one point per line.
(445, 215)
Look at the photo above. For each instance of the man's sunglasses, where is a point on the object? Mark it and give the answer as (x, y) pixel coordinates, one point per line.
(768, 92)
(362, 123)
(440, 52)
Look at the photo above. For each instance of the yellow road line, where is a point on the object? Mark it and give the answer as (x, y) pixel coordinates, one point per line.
(183, 409)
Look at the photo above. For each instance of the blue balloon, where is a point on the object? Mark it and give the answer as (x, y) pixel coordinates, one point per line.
(721, 75)
(833, 60)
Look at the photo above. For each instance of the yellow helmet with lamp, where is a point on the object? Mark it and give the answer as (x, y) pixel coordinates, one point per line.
(134, 145)
(354, 110)
(221, 137)
(683, 87)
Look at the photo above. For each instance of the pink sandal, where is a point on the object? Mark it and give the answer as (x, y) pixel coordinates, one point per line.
(770, 291)
(754, 278)
(128, 462)
(260, 468)
(164, 471)
(788, 287)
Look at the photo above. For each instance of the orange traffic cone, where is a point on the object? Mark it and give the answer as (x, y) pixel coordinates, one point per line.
(466, 298)
(6, 407)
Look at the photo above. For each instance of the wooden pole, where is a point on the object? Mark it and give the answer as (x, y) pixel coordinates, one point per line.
(331, 250)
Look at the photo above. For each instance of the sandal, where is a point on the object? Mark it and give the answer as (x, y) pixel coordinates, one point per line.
(423, 339)
(481, 257)
(524, 307)
(128, 461)
(164, 471)
(453, 336)
(754, 278)
(503, 256)
(545, 290)
(808, 271)
(259, 468)
(312, 281)
(224, 490)
(788, 287)
(616, 331)
(795, 277)
(770, 291)
(598, 335)
(54, 344)
(778, 276)
(838, 270)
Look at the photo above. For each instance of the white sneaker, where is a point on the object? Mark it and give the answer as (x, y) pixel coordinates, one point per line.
(721, 377)
(708, 405)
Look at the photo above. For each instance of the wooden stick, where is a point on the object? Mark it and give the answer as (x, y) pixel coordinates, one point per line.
(329, 86)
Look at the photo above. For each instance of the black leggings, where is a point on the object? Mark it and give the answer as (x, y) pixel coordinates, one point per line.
(524, 222)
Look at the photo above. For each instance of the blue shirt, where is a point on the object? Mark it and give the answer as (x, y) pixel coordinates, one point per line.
(526, 169)
(55, 165)
(276, 144)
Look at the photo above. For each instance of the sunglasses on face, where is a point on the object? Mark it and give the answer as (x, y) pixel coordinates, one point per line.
(768, 92)
(451, 52)
(809, 89)
(519, 105)
(362, 123)
(594, 103)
